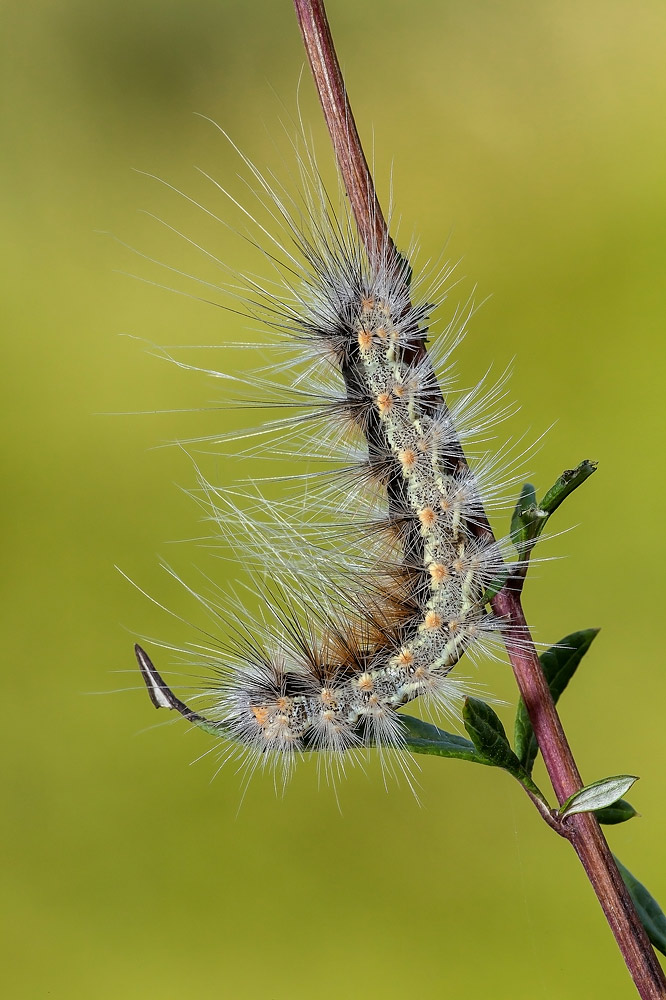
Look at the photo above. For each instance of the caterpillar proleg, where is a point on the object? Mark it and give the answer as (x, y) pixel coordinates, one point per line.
(379, 573)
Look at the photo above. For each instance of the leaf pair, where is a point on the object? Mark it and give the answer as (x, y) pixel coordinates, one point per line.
(488, 743)
(559, 663)
(530, 517)
(603, 798)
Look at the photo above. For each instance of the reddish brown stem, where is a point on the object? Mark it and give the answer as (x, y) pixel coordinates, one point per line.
(582, 829)
(349, 154)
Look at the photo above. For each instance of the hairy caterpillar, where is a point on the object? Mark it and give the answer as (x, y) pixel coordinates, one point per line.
(359, 629)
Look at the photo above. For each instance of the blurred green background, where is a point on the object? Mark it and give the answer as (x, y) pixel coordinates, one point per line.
(531, 137)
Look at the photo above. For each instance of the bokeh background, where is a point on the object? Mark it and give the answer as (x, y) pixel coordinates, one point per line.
(530, 136)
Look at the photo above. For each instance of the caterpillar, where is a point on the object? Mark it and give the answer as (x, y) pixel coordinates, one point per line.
(373, 607)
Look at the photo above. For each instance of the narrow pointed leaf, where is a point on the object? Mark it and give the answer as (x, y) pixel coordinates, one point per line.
(566, 484)
(619, 812)
(559, 664)
(530, 517)
(422, 737)
(487, 733)
(597, 795)
(523, 516)
(648, 909)
(495, 586)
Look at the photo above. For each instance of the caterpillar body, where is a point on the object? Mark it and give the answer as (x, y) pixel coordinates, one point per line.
(356, 636)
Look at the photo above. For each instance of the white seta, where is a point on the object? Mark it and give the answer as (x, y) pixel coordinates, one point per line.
(379, 571)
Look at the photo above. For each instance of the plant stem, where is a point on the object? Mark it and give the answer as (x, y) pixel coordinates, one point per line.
(349, 154)
(582, 829)
(584, 832)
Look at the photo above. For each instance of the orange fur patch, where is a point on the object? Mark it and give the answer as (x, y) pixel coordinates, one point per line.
(427, 517)
(384, 402)
(438, 572)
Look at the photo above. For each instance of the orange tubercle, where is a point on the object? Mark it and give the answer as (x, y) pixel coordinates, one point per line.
(439, 572)
(384, 402)
(427, 517)
(364, 340)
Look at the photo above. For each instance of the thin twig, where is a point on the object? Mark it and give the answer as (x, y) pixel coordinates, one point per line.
(583, 829)
(342, 127)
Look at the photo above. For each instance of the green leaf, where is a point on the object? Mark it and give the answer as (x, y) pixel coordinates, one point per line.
(523, 516)
(421, 737)
(650, 913)
(495, 586)
(530, 518)
(569, 481)
(487, 733)
(489, 747)
(597, 795)
(559, 664)
(619, 812)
